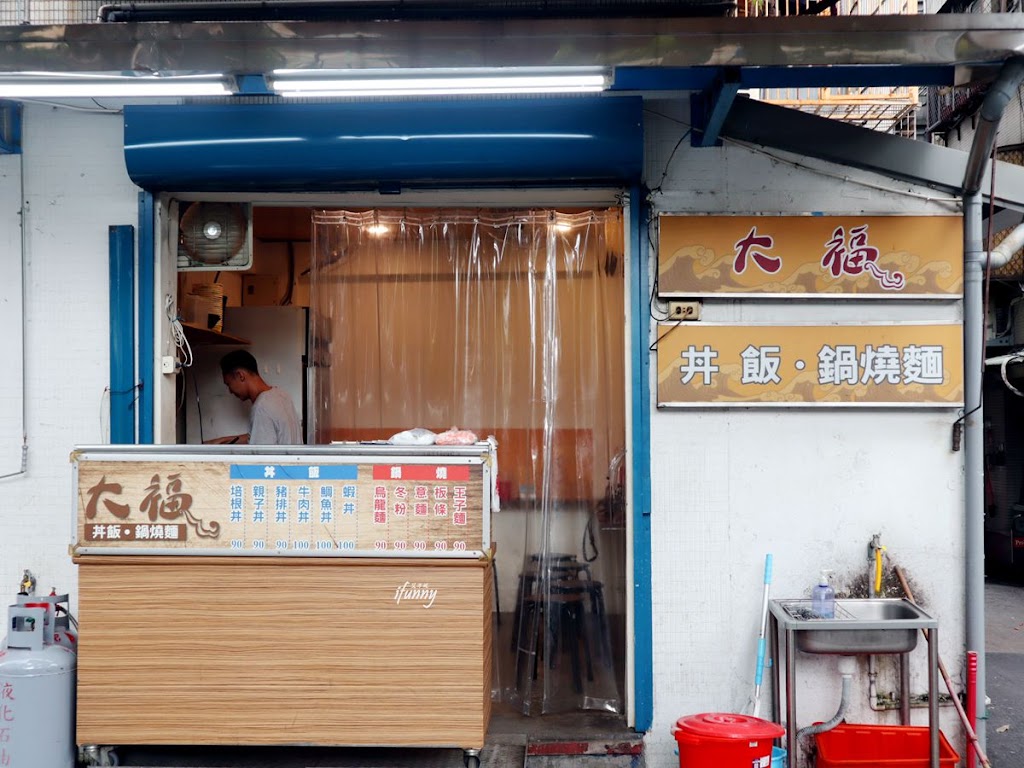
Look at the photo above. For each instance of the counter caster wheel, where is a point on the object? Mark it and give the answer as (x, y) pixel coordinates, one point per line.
(471, 758)
(94, 755)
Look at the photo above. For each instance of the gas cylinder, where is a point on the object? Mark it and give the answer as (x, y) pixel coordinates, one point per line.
(58, 626)
(37, 695)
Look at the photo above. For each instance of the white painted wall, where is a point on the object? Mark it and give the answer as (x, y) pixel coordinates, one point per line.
(729, 485)
(809, 486)
(11, 315)
(75, 186)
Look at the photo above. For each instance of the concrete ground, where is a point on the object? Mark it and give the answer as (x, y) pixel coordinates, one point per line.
(1004, 644)
(513, 741)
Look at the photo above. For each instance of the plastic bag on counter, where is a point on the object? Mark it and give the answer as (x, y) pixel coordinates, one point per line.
(417, 436)
(455, 436)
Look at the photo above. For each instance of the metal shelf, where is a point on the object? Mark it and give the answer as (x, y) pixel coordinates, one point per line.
(198, 335)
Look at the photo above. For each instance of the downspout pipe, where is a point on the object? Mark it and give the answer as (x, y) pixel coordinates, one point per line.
(999, 94)
(975, 259)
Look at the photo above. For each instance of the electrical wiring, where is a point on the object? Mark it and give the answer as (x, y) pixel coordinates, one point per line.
(105, 405)
(199, 405)
(668, 163)
(178, 332)
(841, 177)
(654, 346)
(99, 109)
(654, 283)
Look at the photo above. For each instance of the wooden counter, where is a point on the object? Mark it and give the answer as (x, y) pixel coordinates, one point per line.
(284, 650)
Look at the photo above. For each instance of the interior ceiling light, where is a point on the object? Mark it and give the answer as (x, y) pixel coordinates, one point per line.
(29, 85)
(421, 82)
(379, 230)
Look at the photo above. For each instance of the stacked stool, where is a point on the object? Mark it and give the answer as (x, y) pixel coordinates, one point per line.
(561, 615)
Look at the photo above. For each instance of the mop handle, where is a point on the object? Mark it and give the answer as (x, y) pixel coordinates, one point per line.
(759, 671)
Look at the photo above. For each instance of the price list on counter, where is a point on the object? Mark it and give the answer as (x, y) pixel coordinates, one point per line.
(335, 509)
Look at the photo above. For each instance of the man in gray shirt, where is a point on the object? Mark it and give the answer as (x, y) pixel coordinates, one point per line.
(272, 420)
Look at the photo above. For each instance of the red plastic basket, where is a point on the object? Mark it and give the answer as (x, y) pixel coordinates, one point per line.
(880, 746)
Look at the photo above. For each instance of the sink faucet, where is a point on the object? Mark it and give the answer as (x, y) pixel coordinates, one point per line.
(875, 550)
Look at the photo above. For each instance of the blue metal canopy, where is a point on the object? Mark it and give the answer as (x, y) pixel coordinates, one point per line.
(383, 145)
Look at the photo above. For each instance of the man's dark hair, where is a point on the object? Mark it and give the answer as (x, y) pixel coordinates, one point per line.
(239, 359)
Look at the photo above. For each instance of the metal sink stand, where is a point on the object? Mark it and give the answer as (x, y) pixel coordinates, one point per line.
(791, 626)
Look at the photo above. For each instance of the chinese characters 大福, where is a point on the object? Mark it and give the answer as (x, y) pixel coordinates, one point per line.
(845, 254)
(163, 501)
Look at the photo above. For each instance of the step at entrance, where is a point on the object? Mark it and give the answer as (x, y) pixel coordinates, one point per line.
(596, 753)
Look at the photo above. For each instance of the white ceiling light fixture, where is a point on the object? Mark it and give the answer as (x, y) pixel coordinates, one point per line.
(361, 83)
(40, 85)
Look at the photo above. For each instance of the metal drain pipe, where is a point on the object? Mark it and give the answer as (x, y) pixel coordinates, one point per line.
(998, 96)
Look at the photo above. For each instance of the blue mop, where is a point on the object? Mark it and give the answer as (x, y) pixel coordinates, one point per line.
(759, 672)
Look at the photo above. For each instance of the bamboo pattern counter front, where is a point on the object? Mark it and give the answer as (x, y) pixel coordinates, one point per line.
(307, 646)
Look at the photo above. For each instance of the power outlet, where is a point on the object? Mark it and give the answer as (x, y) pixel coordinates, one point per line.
(684, 310)
(167, 364)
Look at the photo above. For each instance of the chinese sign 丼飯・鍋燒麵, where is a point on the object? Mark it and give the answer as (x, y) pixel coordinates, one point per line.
(807, 256)
(828, 365)
(227, 507)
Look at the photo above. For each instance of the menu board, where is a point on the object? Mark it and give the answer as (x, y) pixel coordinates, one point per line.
(702, 365)
(431, 505)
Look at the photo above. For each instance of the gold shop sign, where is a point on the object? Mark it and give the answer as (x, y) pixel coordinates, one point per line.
(700, 364)
(808, 256)
(398, 506)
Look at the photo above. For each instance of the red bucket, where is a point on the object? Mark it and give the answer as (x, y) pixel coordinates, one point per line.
(721, 740)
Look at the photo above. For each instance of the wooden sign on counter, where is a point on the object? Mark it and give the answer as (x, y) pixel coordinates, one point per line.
(434, 503)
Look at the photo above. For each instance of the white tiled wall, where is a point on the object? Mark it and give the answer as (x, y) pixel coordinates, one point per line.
(808, 486)
(75, 186)
(12, 391)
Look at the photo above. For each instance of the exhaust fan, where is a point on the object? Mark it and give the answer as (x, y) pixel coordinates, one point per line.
(214, 236)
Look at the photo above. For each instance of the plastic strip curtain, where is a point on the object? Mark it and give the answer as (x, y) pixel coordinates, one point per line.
(511, 324)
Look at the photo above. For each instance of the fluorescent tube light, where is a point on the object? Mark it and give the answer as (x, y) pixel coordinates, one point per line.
(410, 82)
(72, 85)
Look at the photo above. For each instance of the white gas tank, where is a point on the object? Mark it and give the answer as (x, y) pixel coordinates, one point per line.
(37, 695)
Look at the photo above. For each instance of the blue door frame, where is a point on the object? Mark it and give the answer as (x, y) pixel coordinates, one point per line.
(146, 314)
(640, 364)
(121, 244)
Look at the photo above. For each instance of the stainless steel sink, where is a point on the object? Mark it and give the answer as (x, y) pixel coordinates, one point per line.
(875, 625)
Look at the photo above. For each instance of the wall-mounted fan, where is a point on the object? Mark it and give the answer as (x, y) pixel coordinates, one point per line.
(214, 236)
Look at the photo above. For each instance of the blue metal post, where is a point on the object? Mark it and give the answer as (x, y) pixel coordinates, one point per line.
(122, 334)
(147, 311)
(10, 128)
(641, 363)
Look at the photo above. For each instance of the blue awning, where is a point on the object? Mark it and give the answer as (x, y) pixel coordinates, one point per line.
(385, 145)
